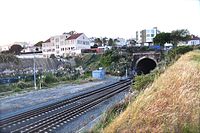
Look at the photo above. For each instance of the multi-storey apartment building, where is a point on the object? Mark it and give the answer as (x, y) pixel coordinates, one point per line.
(66, 44)
(145, 37)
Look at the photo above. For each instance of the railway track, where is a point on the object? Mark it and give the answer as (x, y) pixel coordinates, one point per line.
(50, 118)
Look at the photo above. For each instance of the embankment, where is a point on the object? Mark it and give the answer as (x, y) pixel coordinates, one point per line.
(170, 104)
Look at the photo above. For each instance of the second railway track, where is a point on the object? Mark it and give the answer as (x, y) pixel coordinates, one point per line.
(51, 117)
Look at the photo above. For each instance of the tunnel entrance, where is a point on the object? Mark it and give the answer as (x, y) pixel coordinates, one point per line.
(145, 65)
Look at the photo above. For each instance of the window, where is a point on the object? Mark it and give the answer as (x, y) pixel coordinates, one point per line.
(148, 35)
(48, 50)
(152, 35)
(57, 46)
(57, 40)
(79, 42)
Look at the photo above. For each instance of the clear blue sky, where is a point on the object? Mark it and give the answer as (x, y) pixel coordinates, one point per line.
(36, 20)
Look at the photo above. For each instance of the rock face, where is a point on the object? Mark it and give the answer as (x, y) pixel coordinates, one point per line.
(26, 65)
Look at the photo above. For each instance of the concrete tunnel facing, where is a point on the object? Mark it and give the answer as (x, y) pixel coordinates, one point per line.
(145, 65)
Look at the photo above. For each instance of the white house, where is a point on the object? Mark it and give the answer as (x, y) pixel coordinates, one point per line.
(194, 40)
(66, 44)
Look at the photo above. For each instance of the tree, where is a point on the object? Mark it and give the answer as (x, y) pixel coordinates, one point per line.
(39, 44)
(36, 49)
(95, 46)
(115, 42)
(104, 40)
(110, 42)
(15, 49)
(72, 32)
(179, 35)
(162, 38)
(132, 42)
(52, 56)
(98, 41)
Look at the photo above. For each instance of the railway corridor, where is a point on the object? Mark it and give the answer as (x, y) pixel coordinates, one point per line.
(56, 116)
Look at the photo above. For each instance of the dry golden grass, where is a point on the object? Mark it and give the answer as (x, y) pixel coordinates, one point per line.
(170, 104)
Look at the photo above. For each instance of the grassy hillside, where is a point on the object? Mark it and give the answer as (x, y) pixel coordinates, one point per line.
(171, 104)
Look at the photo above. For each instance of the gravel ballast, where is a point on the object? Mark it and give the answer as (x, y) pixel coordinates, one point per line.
(18, 103)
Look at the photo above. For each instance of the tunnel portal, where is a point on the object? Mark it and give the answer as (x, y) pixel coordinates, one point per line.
(145, 65)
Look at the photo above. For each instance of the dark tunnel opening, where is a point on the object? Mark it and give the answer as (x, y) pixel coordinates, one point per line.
(144, 66)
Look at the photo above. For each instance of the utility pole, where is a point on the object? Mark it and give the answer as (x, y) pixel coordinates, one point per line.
(126, 73)
(34, 72)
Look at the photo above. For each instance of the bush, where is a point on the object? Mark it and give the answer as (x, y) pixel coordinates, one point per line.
(7, 58)
(23, 85)
(50, 78)
(63, 78)
(5, 88)
(175, 53)
(17, 89)
(86, 75)
(142, 81)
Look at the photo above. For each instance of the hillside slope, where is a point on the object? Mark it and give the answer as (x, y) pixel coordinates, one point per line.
(171, 104)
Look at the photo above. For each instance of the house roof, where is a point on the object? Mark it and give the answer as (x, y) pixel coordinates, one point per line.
(195, 38)
(48, 40)
(74, 36)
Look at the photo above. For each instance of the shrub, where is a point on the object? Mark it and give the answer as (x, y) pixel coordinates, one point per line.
(63, 78)
(7, 58)
(50, 78)
(23, 85)
(142, 81)
(5, 88)
(87, 75)
(175, 53)
(17, 89)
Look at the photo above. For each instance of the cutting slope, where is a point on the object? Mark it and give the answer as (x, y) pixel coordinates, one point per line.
(171, 104)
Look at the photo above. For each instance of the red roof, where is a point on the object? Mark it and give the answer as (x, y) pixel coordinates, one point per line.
(74, 36)
(48, 40)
